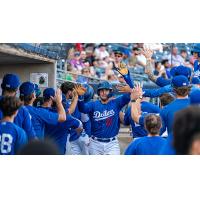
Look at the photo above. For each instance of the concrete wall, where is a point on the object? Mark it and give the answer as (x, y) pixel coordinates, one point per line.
(24, 70)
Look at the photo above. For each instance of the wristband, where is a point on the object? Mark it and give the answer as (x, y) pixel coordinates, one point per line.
(133, 100)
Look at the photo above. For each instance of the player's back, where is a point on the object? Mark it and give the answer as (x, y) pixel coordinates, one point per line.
(40, 117)
(12, 138)
(23, 120)
(168, 111)
(60, 131)
(146, 146)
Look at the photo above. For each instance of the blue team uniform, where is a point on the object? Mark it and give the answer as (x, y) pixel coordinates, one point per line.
(12, 138)
(138, 129)
(146, 146)
(167, 113)
(152, 93)
(60, 131)
(104, 118)
(80, 116)
(40, 117)
(23, 120)
(168, 148)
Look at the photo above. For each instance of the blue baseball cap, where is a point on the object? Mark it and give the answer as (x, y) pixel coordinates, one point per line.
(180, 81)
(27, 88)
(181, 70)
(195, 80)
(49, 92)
(11, 81)
(195, 96)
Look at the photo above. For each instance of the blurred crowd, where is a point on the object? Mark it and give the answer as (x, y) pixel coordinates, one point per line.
(96, 61)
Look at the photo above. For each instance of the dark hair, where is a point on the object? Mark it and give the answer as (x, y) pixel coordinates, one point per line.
(166, 98)
(26, 99)
(9, 90)
(135, 49)
(156, 64)
(164, 61)
(183, 50)
(38, 147)
(46, 99)
(38, 101)
(182, 91)
(85, 68)
(9, 105)
(185, 128)
(153, 124)
(67, 86)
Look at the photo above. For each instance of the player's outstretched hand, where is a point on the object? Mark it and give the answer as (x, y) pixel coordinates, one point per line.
(121, 68)
(124, 88)
(80, 89)
(136, 92)
(147, 53)
(58, 96)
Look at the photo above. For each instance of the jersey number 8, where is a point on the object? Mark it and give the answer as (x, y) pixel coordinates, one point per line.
(6, 143)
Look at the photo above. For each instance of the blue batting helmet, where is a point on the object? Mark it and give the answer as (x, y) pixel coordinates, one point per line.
(105, 85)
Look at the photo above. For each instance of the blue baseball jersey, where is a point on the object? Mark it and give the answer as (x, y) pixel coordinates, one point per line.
(152, 93)
(138, 130)
(23, 120)
(149, 107)
(84, 118)
(12, 138)
(40, 117)
(76, 114)
(168, 148)
(167, 113)
(146, 146)
(60, 131)
(105, 122)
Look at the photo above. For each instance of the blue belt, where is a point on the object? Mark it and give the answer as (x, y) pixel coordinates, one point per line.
(103, 139)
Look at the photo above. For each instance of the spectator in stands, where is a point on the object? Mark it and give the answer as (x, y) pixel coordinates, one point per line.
(112, 78)
(101, 51)
(76, 62)
(133, 57)
(159, 71)
(89, 49)
(83, 56)
(166, 65)
(174, 58)
(185, 60)
(85, 72)
(86, 63)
